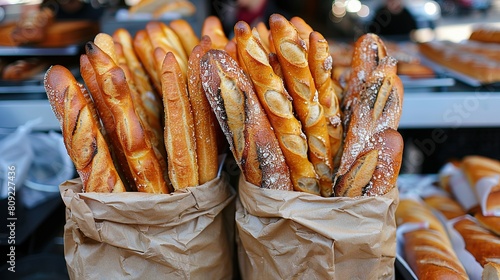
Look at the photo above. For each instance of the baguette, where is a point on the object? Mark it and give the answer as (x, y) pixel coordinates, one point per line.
(368, 50)
(179, 125)
(162, 36)
(108, 122)
(24, 69)
(320, 63)
(205, 124)
(278, 106)
(481, 243)
(491, 223)
(477, 167)
(303, 28)
(292, 55)
(137, 147)
(379, 107)
(144, 49)
(428, 251)
(430, 257)
(375, 170)
(83, 140)
(212, 27)
(243, 121)
(446, 205)
(139, 80)
(186, 34)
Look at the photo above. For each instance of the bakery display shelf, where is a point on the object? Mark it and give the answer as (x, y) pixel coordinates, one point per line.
(418, 83)
(450, 109)
(446, 71)
(38, 51)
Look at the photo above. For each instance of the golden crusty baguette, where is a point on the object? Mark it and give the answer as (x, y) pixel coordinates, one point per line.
(114, 50)
(144, 49)
(151, 105)
(279, 108)
(154, 130)
(475, 168)
(80, 129)
(320, 64)
(429, 250)
(137, 147)
(212, 27)
(431, 258)
(179, 125)
(243, 121)
(480, 242)
(368, 50)
(185, 33)
(205, 124)
(446, 205)
(263, 35)
(162, 36)
(376, 169)
(292, 55)
(303, 28)
(108, 122)
(378, 108)
(491, 223)
(232, 50)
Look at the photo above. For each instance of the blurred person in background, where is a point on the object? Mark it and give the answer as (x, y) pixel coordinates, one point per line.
(393, 20)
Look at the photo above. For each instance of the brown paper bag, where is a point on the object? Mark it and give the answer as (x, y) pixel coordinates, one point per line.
(184, 235)
(294, 235)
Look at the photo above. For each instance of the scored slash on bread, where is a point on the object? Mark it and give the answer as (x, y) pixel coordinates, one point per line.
(321, 65)
(165, 95)
(243, 121)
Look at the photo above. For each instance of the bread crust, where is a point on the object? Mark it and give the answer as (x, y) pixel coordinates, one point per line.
(292, 55)
(179, 135)
(186, 34)
(82, 137)
(320, 63)
(133, 140)
(481, 243)
(278, 106)
(243, 121)
(428, 251)
(205, 123)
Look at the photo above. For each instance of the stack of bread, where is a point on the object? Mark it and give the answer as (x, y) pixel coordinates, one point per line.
(478, 57)
(465, 216)
(144, 118)
(155, 110)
